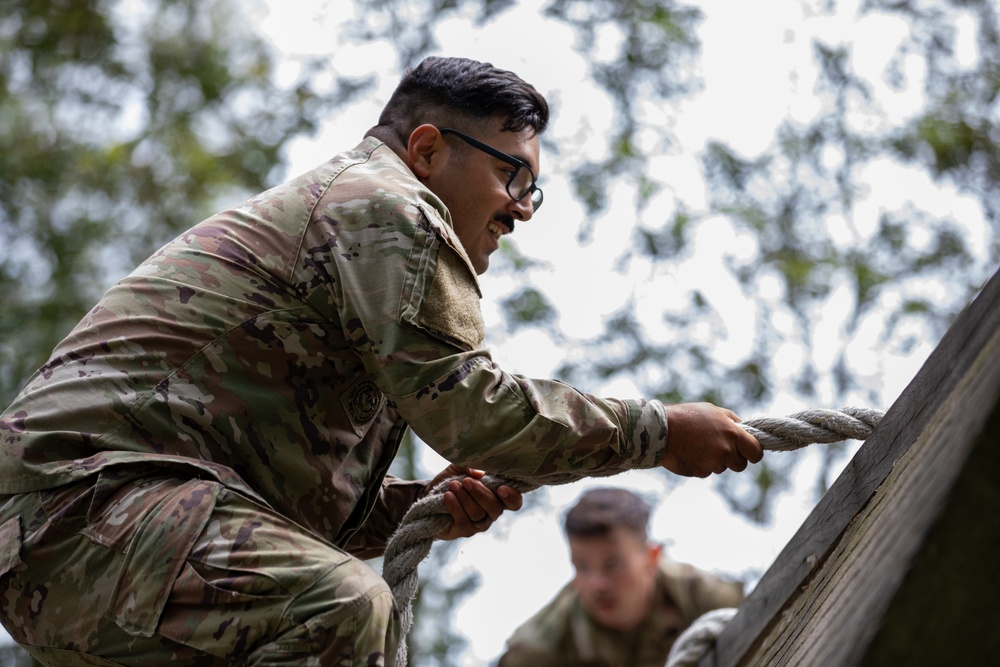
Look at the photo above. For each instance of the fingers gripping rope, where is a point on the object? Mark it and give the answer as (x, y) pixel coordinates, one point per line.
(411, 542)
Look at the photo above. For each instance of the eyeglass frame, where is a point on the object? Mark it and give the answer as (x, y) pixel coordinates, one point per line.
(517, 163)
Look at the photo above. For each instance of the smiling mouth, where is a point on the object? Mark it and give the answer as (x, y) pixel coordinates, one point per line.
(497, 230)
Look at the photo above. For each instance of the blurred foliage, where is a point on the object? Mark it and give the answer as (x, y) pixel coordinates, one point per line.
(915, 265)
(123, 125)
(528, 306)
(437, 643)
(655, 56)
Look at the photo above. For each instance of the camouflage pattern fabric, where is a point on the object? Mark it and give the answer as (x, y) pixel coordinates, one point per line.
(562, 635)
(281, 349)
(161, 570)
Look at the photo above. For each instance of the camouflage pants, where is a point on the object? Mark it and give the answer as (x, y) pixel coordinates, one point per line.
(124, 571)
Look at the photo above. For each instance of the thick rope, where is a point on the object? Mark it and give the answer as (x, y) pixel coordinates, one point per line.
(699, 638)
(411, 542)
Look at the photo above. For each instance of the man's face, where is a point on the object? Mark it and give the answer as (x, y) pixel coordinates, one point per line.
(615, 577)
(472, 184)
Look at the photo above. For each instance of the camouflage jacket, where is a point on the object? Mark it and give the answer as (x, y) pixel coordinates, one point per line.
(282, 347)
(561, 634)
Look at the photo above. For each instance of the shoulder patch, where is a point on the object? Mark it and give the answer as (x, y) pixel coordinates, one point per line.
(441, 293)
(451, 306)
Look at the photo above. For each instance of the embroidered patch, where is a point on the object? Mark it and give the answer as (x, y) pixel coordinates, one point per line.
(362, 401)
(441, 295)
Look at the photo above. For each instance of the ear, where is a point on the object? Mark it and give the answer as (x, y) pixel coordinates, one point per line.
(425, 149)
(654, 552)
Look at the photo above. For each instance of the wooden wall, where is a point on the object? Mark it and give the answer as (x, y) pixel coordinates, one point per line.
(898, 563)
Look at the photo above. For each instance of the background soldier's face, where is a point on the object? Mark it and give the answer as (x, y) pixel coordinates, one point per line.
(615, 577)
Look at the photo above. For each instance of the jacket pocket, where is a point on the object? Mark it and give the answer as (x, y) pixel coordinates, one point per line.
(157, 552)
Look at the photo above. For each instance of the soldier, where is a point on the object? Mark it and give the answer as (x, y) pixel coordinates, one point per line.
(627, 603)
(196, 472)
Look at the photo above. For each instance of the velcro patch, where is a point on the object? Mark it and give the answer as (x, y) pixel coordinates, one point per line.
(451, 307)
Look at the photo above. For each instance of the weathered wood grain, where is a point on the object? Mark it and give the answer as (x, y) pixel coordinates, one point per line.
(805, 595)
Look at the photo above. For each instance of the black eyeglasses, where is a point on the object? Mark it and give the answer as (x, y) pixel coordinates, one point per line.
(522, 180)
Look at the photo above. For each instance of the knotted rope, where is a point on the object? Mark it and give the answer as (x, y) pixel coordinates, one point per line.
(411, 542)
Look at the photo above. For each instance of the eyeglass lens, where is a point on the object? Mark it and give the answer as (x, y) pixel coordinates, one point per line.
(520, 184)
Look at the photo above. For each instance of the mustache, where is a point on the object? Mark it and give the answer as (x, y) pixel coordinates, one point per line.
(505, 220)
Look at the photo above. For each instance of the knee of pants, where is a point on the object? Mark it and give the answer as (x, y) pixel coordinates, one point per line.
(351, 591)
(350, 616)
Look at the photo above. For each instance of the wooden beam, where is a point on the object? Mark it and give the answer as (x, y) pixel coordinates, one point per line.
(945, 611)
(944, 410)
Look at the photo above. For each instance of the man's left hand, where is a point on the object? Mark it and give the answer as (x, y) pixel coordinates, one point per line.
(473, 507)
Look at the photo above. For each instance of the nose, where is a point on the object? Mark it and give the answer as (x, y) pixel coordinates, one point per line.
(521, 210)
(592, 582)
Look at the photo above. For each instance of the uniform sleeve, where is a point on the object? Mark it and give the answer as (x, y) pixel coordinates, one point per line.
(407, 298)
(394, 500)
(541, 640)
(478, 415)
(696, 592)
(519, 655)
(430, 362)
(475, 413)
(711, 592)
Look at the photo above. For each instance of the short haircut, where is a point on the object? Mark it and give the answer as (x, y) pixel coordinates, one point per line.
(464, 93)
(599, 511)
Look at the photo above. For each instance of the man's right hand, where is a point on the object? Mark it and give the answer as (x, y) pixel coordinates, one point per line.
(703, 438)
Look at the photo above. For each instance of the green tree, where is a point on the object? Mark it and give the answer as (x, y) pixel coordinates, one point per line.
(123, 125)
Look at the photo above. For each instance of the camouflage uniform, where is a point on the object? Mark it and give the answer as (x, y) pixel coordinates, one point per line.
(249, 384)
(562, 634)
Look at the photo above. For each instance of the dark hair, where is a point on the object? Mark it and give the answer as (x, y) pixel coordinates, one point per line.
(459, 91)
(599, 511)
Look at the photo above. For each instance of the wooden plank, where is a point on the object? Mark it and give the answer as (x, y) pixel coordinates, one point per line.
(902, 425)
(945, 612)
(834, 618)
